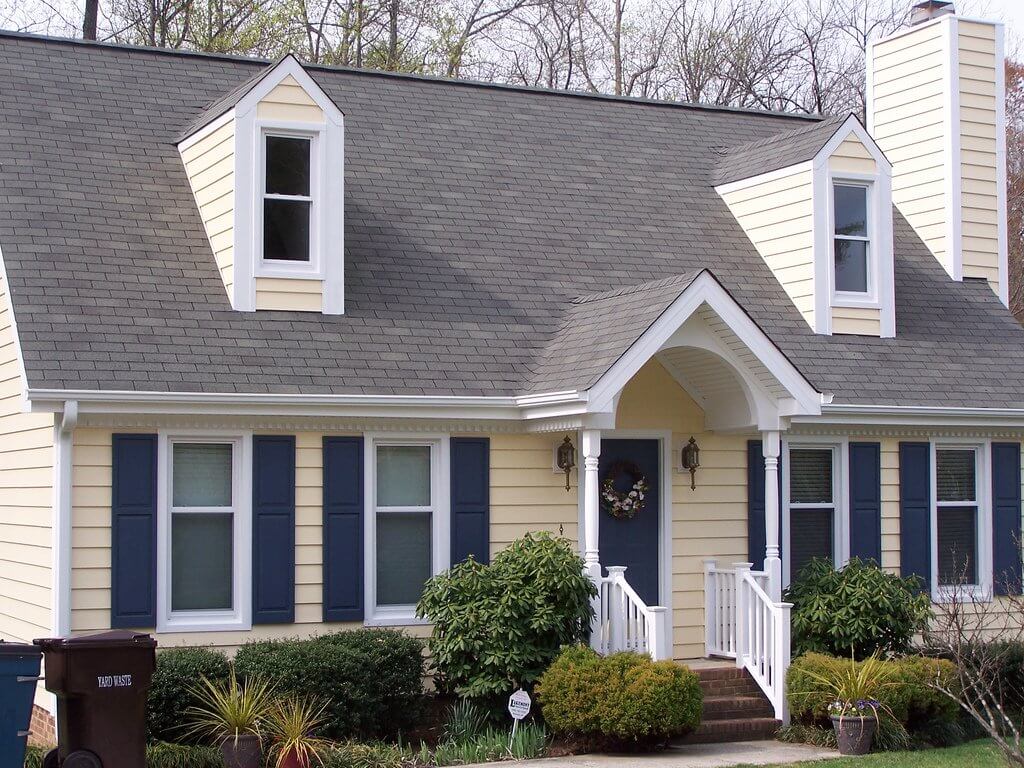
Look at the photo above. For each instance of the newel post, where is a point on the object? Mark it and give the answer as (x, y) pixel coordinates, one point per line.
(711, 607)
(742, 617)
(659, 642)
(783, 649)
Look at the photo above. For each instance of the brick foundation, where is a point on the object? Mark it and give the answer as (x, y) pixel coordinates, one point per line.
(43, 728)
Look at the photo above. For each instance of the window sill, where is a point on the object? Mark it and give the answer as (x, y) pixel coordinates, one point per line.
(854, 301)
(966, 594)
(404, 616)
(211, 623)
(290, 271)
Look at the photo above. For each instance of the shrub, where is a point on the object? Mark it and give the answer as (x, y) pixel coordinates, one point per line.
(371, 679)
(497, 627)
(624, 697)
(355, 755)
(34, 756)
(178, 670)
(859, 608)
(164, 755)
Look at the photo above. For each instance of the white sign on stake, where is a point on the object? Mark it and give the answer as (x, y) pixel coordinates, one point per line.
(519, 707)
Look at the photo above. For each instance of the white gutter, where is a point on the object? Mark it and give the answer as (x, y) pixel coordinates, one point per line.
(915, 415)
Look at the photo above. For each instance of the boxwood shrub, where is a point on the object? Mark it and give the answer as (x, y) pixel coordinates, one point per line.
(624, 698)
(177, 671)
(371, 679)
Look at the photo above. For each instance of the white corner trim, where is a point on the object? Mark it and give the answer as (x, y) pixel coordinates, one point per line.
(243, 288)
(764, 178)
(951, 161)
(821, 217)
(1004, 268)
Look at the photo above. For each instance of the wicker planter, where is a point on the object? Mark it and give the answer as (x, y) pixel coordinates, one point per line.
(243, 751)
(854, 734)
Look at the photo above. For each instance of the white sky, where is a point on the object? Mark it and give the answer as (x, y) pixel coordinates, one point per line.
(1009, 11)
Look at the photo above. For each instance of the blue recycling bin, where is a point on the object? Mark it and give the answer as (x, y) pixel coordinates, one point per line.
(19, 672)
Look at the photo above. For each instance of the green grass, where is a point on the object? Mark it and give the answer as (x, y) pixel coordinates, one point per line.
(977, 754)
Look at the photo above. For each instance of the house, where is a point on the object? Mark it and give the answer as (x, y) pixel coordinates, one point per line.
(282, 341)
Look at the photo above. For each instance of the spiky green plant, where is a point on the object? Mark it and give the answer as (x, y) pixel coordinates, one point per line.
(290, 725)
(856, 687)
(229, 709)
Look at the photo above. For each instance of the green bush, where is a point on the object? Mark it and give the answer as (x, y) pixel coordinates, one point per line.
(497, 627)
(905, 692)
(859, 608)
(164, 755)
(372, 679)
(178, 670)
(376, 755)
(624, 698)
(34, 756)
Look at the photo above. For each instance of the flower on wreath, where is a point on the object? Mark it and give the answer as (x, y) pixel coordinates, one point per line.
(624, 504)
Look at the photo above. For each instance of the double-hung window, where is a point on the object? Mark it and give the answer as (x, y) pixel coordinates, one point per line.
(851, 244)
(203, 535)
(409, 520)
(288, 199)
(812, 506)
(957, 516)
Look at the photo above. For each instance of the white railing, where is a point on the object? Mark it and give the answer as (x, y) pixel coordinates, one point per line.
(624, 622)
(743, 623)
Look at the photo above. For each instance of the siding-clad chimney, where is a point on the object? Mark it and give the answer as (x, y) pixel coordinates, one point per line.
(936, 94)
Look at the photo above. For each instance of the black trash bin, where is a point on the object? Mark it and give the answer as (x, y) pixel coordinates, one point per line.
(100, 682)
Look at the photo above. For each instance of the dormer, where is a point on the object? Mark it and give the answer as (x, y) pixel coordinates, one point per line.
(266, 166)
(818, 210)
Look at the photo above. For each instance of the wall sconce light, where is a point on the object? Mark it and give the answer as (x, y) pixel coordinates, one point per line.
(566, 458)
(691, 461)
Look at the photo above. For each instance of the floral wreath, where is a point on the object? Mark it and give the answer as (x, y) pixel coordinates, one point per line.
(624, 504)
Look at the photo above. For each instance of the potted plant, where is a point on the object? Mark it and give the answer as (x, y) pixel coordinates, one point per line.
(290, 725)
(855, 708)
(232, 715)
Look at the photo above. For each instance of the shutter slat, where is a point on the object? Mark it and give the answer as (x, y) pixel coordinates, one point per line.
(343, 529)
(133, 531)
(1006, 518)
(273, 503)
(915, 512)
(470, 499)
(866, 501)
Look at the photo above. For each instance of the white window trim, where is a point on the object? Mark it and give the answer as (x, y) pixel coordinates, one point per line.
(982, 591)
(869, 298)
(312, 269)
(240, 618)
(440, 521)
(841, 493)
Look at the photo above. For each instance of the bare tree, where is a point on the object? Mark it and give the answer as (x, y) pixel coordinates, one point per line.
(1015, 183)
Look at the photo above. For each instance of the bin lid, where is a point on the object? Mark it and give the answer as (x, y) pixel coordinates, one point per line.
(114, 638)
(18, 649)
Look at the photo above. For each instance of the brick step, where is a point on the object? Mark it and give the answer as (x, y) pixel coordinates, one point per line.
(719, 731)
(737, 688)
(736, 707)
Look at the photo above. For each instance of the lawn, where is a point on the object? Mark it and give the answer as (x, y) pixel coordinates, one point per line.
(977, 754)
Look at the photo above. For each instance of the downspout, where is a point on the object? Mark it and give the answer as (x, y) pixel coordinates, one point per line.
(62, 466)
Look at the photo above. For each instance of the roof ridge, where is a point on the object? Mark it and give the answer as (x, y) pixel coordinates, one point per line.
(813, 118)
(825, 121)
(682, 278)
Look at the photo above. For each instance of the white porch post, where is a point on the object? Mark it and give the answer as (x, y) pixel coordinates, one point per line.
(591, 440)
(771, 446)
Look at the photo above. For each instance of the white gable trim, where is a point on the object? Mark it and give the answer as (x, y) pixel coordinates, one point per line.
(705, 289)
(851, 126)
(289, 66)
(206, 130)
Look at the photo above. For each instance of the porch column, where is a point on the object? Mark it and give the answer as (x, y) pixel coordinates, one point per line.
(591, 441)
(771, 445)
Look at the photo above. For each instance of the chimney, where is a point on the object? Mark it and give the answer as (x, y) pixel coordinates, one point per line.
(936, 107)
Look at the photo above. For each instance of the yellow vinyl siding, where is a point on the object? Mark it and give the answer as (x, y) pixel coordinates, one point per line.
(859, 321)
(851, 156)
(289, 102)
(909, 108)
(290, 294)
(210, 167)
(777, 216)
(979, 199)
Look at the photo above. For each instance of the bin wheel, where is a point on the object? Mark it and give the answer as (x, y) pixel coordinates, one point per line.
(52, 759)
(81, 758)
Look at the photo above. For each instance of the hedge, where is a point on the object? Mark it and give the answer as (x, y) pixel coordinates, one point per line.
(178, 670)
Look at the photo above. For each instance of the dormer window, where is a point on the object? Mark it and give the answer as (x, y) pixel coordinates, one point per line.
(287, 198)
(851, 243)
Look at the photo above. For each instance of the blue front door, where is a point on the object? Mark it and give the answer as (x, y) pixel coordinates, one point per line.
(633, 542)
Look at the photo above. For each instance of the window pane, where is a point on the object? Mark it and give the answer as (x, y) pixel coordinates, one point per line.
(851, 210)
(201, 567)
(403, 475)
(852, 266)
(287, 166)
(286, 230)
(403, 556)
(958, 542)
(810, 476)
(954, 475)
(202, 475)
(810, 536)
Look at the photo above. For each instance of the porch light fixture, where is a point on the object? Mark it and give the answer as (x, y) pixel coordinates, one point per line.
(566, 458)
(691, 460)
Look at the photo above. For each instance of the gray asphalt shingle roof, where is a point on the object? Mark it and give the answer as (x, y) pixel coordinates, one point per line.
(779, 151)
(474, 216)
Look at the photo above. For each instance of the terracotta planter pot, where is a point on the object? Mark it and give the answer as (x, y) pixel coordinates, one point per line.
(242, 752)
(292, 760)
(854, 734)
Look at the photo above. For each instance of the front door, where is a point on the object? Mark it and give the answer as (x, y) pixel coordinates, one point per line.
(632, 541)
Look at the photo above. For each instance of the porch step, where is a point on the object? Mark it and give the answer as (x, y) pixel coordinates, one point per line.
(735, 709)
(719, 731)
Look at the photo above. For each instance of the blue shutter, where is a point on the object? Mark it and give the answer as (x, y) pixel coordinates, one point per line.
(470, 498)
(273, 530)
(1006, 518)
(916, 511)
(133, 531)
(866, 501)
(756, 540)
(343, 529)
